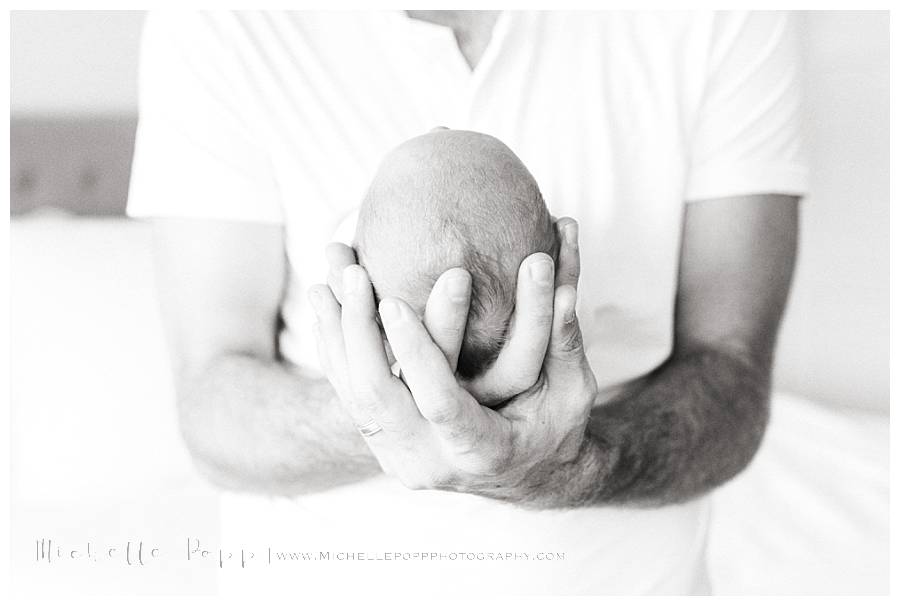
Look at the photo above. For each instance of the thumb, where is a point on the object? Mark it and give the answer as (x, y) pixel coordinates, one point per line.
(566, 360)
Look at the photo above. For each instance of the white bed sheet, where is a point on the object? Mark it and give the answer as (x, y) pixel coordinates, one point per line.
(810, 515)
(96, 451)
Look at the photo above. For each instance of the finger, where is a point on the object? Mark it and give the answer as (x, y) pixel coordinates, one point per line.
(330, 334)
(519, 364)
(375, 389)
(426, 372)
(339, 256)
(568, 265)
(446, 312)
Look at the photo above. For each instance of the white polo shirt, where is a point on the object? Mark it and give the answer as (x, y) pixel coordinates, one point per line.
(623, 118)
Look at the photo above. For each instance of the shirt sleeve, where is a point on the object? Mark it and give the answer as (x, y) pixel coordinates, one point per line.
(748, 135)
(197, 154)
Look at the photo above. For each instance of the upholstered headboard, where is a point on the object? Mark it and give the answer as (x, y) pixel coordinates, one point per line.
(78, 164)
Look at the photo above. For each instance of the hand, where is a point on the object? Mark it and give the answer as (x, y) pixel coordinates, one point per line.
(518, 366)
(435, 434)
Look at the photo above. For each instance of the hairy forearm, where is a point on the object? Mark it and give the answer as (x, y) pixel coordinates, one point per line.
(263, 426)
(687, 428)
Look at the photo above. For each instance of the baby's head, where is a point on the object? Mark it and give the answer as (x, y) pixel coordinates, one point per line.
(453, 198)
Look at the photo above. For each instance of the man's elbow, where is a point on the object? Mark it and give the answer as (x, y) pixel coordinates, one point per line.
(203, 427)
(195, 435)
(730, 425)
(745, 419)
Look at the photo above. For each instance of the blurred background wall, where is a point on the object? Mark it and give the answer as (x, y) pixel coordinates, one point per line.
(834, 346)
(74, 62)
(835, 343)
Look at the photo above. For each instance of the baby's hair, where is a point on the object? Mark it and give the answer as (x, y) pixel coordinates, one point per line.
(492, 302)
(455, 199)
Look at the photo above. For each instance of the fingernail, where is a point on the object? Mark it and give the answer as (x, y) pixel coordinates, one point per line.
(389, 311)
(458, 288)
(572, 234)
(541, 272)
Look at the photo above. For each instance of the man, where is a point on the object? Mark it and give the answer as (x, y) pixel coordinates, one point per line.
(671, 138)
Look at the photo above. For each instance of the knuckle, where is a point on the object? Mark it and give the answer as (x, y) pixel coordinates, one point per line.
(449, 333)
(494, 463)
(494, 460)
(570, 342)
(443, 415)
(444, 409)
(570, 275)
(542, 317)
(462, 443)
(462, 440)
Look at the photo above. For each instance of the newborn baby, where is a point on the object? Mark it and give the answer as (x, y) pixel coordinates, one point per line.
(453, 198)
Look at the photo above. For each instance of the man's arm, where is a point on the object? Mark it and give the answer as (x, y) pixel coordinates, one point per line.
(686, 428)
(251, 420)
(698, 420)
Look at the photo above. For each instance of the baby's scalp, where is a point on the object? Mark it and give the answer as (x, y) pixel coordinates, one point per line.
(453, 198)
